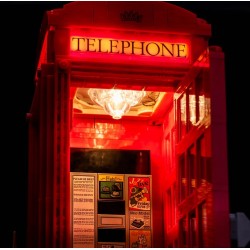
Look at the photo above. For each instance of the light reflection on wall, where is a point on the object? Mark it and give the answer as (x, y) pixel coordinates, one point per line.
(103, 132)
(196, 113)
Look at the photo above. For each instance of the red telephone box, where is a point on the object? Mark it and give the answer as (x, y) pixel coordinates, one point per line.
(174, 137)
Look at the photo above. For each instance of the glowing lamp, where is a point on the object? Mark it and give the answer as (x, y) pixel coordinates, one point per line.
(116, 102)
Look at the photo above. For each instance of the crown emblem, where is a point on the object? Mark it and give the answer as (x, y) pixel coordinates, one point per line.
(131, 16)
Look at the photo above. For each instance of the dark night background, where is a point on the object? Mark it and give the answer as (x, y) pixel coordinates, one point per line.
(19, 28)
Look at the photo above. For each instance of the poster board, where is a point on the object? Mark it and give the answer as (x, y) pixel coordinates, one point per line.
(111, 186)
(139, 210)
(83, 209)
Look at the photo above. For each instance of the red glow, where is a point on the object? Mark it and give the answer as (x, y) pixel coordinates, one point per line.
(103, 45)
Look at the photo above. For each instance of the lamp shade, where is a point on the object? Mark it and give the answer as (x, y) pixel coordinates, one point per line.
(116, 102)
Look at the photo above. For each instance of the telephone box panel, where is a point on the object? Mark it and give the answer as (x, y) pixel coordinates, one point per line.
(83, 209)
(139, 210)
(111, 225)
(111, 210)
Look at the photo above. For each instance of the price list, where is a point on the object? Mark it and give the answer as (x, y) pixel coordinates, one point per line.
(83, 204)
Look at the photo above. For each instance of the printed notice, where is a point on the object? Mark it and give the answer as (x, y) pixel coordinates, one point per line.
(140, 220)
(140, 238)
(83, 193)
(110, 186)
(139, 193)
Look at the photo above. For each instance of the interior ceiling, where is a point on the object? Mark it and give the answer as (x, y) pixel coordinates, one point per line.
(159, 81)
(82, 104)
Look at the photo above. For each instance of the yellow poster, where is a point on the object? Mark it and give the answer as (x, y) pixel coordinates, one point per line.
(111, 186)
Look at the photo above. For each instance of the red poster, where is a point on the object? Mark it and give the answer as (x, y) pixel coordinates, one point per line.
(139, 193)
(140, 238)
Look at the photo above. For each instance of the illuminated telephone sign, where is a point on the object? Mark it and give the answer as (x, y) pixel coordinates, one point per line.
(139, 49)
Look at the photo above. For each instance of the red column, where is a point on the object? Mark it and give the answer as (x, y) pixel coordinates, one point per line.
(219, 149)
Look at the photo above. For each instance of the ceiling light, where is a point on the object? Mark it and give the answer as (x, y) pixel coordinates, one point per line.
(116, 102)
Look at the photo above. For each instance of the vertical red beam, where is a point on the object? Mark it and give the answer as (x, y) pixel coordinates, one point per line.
(157, 182)
(62, 153)
(55, 168)
(46, 138)
(49, 155)
(49, 188)
(219, 149)
(38, 233)
(61, 177)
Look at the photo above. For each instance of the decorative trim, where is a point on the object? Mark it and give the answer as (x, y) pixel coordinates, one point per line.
(64, 64)
(131, 16)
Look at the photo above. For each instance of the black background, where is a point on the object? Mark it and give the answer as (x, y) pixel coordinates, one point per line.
(110, 161)
(19, 28)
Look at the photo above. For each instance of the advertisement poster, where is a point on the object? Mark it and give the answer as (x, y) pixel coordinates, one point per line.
(110, 186)
(140, 220)
(111, 245)
(139, 193)
(83, 211)
(140, 238)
